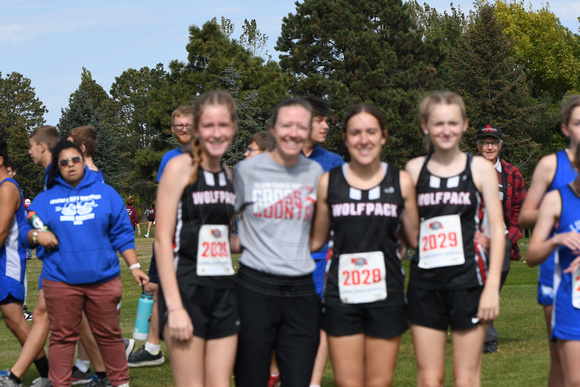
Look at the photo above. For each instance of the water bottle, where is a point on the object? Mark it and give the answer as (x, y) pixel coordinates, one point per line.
(143, 317)
(36, 222)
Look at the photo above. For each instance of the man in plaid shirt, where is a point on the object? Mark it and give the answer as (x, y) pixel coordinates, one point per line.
(512, 193)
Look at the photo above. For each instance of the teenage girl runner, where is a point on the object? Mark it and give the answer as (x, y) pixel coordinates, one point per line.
(552, 172)
(560, 211)
(195, 201)
(370, 205)
(452, 282)
(279, 308)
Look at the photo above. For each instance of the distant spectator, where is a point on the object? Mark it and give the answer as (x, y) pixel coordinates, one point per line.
(150, 213)
(86, 138)
(133, 215)
(260, 142)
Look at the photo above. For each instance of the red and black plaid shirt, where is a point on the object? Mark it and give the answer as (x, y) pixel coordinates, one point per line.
(514, 193)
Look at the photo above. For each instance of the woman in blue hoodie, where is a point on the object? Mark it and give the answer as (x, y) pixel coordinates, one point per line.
(88, 225)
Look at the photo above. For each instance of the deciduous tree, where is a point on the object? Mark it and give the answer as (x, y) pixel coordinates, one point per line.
(495, 91)
(81, 111)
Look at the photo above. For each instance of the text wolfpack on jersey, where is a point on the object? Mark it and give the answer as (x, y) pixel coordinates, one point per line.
(446, 197)
(213, 197)
(368, 209)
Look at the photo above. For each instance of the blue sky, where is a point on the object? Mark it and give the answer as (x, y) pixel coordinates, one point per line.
(50, 41)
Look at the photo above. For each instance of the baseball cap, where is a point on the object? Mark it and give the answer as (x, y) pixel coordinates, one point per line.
(488, 131)
(26, 202)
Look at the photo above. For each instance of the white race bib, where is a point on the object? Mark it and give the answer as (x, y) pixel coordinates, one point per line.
(362, 277)
(441, 242)
(213, 251)
(576, 288)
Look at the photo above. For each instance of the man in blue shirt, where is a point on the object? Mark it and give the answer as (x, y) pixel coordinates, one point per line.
(327, 161)
(150, 353)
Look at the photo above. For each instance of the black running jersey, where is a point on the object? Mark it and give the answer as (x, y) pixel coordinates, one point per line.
(365, 221)
(439, 196)
(210, 200)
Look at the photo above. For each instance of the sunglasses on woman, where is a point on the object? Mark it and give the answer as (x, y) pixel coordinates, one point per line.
(74, 160)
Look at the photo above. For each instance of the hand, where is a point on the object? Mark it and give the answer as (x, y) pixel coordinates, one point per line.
(403, 250)
(573, 266)
(139, 231)
(140, 276)
(570, 240)
(179, 325)
(47, 240)
(488, 304)
(482, 240)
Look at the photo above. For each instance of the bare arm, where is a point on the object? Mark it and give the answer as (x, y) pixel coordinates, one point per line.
(235, 246)
(541, 244)
(489, 300)
(10, 200)
(541, 180)
(173, 181)
(413, 168)
(130, 257)
(410, 220)
(321, 226)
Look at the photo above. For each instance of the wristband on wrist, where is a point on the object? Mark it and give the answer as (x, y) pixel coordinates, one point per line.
(135, 266)
(34, 236)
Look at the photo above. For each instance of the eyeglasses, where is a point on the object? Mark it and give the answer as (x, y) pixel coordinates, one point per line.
(250, 149)
(74, 160)
(485, 144)
(182, 126)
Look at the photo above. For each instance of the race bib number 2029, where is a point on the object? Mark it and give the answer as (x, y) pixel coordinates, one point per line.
(441, 242)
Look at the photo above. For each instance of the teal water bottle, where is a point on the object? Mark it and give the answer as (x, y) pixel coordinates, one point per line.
(143, 317)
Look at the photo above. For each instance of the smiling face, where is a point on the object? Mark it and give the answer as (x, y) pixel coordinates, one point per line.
(291, 131)
(182, 128)
(215, 131)
(364, 138)
(71, 166)
(489, 148)
(445, 126)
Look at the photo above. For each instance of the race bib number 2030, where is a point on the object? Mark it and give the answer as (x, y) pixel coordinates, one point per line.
(213, 251)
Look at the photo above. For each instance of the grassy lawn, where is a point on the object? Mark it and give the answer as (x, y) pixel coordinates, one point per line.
(522, 359)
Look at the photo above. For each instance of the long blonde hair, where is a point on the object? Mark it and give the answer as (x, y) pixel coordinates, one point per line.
(438, 98)
(215, 97)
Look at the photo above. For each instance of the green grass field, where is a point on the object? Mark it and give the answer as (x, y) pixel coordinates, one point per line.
(522, 359)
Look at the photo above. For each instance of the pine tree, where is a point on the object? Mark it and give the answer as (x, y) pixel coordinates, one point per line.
(349, 51)
(20, 112)
(80, 112)
(485, 73)
(217, 62)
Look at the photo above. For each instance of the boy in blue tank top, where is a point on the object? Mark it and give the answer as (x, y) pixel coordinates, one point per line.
(552, 172)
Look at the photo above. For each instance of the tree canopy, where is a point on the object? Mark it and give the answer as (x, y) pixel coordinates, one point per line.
(349, 51)
(20, 112)
(512, 65)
